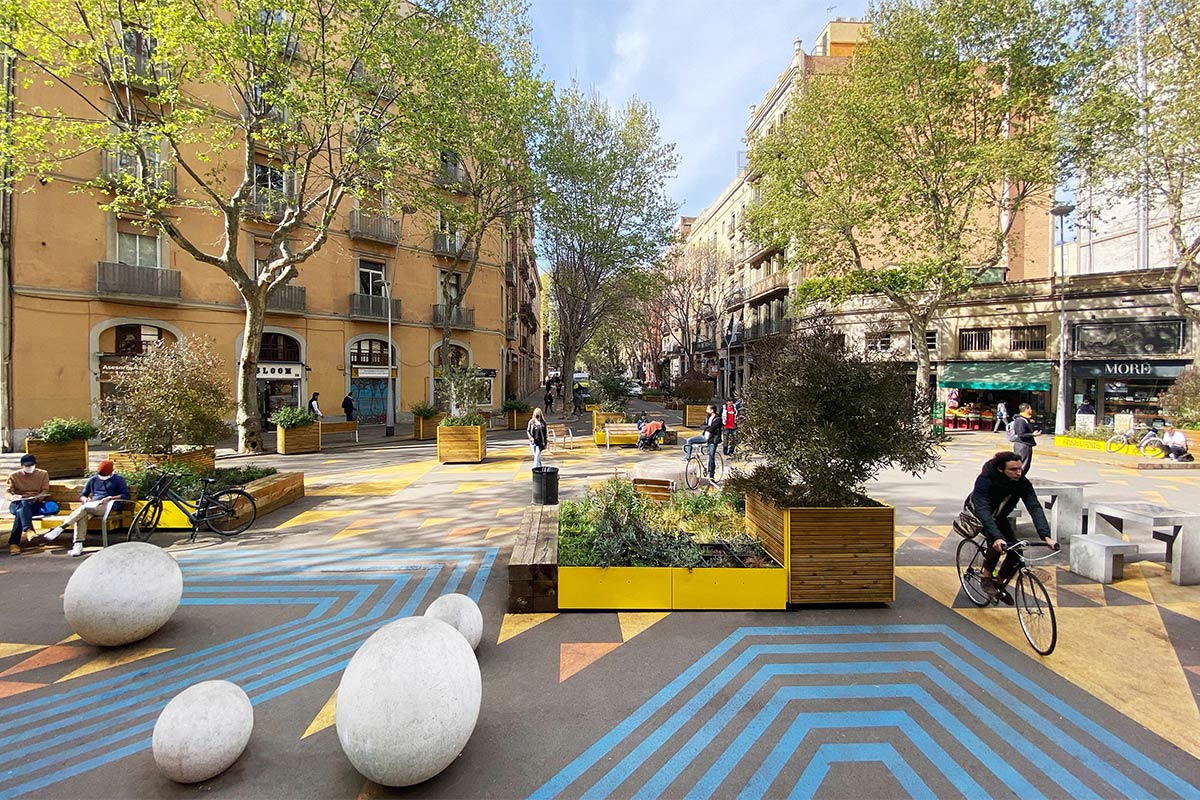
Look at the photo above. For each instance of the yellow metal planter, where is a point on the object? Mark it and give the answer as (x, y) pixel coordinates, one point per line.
(1093, 444)
(671, 588)
(614, 588)
(729, 588)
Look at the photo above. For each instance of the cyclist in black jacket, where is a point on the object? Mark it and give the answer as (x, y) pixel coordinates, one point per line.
(710, 435)
(999, 485)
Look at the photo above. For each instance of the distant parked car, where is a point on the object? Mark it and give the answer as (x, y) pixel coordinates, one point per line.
(635, 389)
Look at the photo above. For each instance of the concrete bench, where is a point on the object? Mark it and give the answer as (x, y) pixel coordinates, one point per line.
(620, 433)
(1100, 558)
(657, 489)
(559, 436)
(328, 428)
(1179, 529)
(1064, 504)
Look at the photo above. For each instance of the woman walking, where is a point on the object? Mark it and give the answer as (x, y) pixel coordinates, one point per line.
(535, 431)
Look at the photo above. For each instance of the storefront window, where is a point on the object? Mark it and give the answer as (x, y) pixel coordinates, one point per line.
(1152, 337)
(279, 347)
(369, 352)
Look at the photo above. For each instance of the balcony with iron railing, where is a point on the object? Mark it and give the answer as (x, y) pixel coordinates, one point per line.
(705, 346)
(119, 166)
(510, 329)
(374, 227)
(447, 245)
(735, 299)
(459, 317)
(768, 326)
(762, 287)
(451, 176)
(529, 314)
(140, 71)
(372, 306)
(130, 280)
(510, 274)
(287, 298)
(268, 204)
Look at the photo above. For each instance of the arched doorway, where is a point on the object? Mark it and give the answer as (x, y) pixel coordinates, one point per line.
(280, 369)
(120, 344)
(369, 377)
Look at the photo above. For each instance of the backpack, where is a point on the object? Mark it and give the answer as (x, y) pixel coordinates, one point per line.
(1012, 433)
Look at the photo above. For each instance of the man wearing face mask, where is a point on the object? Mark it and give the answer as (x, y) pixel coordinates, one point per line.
(25, 490)
(102, 489)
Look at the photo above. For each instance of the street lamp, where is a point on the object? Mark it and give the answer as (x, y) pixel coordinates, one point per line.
(389, 427)
(1061, 210)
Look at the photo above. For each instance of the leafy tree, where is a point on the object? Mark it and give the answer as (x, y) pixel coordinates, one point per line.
(174, 393)
(270, 113)
(903, 172)
(696, 289)
(603, 214)
(1182, 400)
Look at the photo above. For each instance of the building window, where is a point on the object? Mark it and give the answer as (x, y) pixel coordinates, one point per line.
(1028, 337)
(369, 352)
(992, 275)
(279, 347)
(132, 340)
(269, 178)
(370, 277)
(879, 342)
(455, 285)
(138, 47)
(931, 340)
(974, 339)
(136, 245)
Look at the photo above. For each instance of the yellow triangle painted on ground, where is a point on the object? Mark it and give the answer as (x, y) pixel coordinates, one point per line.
(1134, 583)
(325, 718)
(500, 530)
(1191, 610)
(309, 517)
(474, 486)
(74, 637)
(1153, 495)
(926, 510)
(635, 622)
(363, 488)
(1116, 480)
(940, 530)
(15, 649)
(436, 521)
(507, 510)
(906, 530)
(351, 532)
(110, 660)
(940, 583)
(516, 624)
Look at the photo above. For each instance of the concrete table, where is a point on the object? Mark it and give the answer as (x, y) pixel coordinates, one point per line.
(1064, 501)
(1179, 529)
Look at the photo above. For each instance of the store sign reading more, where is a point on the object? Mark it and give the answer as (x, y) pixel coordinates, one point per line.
(1128, 368)
(279, 372)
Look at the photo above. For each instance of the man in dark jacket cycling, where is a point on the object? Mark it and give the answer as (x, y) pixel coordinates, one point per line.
(996, 492)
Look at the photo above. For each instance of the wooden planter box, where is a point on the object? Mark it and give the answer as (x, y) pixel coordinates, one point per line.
(290, 441)
(519, 420)
(201, 459)
(1193, 440)
(693, 416)
(832, 555)
(60, 459)
(459, 444)
(425, 428)
(269, 493)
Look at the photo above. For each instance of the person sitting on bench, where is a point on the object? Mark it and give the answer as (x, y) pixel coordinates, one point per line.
(652, 434)
(102, 489)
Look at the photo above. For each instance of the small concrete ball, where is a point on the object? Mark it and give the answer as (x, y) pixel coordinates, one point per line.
(202, 731)
(122, 594)
(408, 701)
(461, 613)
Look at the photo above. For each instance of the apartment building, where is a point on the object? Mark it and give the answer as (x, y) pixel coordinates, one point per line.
(86, 290)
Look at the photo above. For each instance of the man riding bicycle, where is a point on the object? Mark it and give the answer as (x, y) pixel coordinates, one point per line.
(999, 485)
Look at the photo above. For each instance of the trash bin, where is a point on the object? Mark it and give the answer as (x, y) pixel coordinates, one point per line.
(545, 486)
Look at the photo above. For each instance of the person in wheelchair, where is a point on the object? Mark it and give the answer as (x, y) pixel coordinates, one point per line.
(651, 435)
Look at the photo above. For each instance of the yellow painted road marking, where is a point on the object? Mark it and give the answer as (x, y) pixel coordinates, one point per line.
(309, 517)
(634, 623)
(926, 510)
(325, 718)
(474, 486)
(14, 649)
(516, 624)
(500, 530)
(507, 510)
(436, 521)
(111, 660)
(366, 488)
(575, 656)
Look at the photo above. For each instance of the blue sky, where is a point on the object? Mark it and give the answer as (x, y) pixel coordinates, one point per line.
(699, 63)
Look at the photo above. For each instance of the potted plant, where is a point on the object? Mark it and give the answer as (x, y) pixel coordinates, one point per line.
(462, 435)
(825, 419)
(60, 446)
(426, 417)
(171, 404)
(518, 412)
(694, 391)
(297, 431)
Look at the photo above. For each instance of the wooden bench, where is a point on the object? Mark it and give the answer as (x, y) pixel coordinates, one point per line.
(1100, 558)
(621, 433)
(328, 428)
(559, 435)
(657, 489)
(1179, 529)
(533, 567)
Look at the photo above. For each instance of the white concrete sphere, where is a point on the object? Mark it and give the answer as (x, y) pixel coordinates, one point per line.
(408, 701)
(122, 594)
(202, 731)
(461, 613)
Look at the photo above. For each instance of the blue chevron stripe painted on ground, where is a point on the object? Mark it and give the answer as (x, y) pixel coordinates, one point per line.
(625, 730)
(323, 657)
(829, 754)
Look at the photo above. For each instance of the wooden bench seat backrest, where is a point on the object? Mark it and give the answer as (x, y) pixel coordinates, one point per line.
(656, 489)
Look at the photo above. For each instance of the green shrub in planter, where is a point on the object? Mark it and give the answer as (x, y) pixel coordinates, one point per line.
(290, 417)
(515, 404)
(1182, 401)
(424, 410)
(463, 421)
(63, 429)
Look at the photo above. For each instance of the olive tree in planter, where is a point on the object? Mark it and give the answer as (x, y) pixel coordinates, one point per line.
(825, 419)
(60, 446)
(297, 431)
(462, 436)
(426, 417)
(171, 404)
(518, 412)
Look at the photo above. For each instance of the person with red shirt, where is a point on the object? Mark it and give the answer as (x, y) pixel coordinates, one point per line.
(729, 424)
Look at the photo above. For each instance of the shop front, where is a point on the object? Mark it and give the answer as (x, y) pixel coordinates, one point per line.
(973, 389)
(1125, 386)
(278, 386)
(369, 379)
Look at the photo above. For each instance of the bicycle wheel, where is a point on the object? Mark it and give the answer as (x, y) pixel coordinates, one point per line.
(691, 472)
(1036, 613)
(1115, 443)
(969, 559)
(145, 521)
(719, 465)
(230, 511)
(1151, 447)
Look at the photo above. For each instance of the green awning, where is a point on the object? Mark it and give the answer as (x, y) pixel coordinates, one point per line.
(1031, 376)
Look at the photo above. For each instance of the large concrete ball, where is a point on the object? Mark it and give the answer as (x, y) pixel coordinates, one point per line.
(122, 594)
(461, 613)
(408, 701)
(202, 731)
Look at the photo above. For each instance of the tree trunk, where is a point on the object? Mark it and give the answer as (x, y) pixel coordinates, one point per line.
(249, 425)
(916, 332)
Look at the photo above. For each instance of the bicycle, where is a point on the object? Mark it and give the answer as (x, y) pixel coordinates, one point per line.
(1148, 445)
(227, 512)
(697, 467)
(1034, 609)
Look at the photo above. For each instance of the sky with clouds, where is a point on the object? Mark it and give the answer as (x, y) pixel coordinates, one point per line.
(699, 63)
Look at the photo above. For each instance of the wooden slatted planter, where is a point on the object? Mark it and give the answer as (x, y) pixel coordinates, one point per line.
(60, 459)
(425, 428)
(461, 444)
(832, 555)
(306, 439)
(519, 420)
(693, 416)
(200, 459)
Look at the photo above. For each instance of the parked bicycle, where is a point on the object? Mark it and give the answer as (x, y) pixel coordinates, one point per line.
(1144, 438)
(227, 512)
(1034, 609)
(697, 466)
